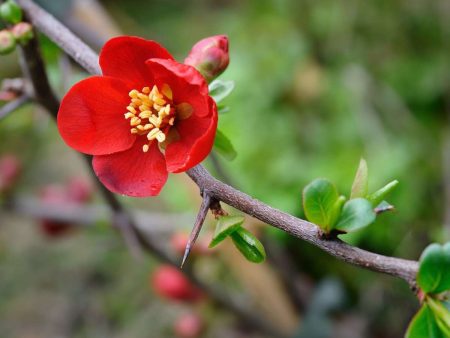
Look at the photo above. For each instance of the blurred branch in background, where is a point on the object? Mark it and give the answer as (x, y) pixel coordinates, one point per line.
(13, 105)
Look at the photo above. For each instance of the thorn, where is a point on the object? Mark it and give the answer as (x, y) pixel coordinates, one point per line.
(204, 208)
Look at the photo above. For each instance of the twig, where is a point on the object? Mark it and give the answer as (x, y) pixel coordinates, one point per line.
(32, 63)
(81, 53)
(13, 105)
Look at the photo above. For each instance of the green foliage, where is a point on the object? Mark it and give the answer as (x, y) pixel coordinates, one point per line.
(250, 247)
(220, 89)
(434, 269)
(424, 325)
(226, 225)
(224, 146)
(11, 12)
(319, 200)
(356, 214)
(377, 197)
(360, 184)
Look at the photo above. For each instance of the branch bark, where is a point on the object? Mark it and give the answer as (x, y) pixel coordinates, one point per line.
(81, 53)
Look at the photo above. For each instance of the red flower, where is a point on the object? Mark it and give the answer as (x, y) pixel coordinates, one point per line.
(146, 116)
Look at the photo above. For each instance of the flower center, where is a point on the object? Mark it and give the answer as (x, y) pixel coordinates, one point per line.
(151, 113)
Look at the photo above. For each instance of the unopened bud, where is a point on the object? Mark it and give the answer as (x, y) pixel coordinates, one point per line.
(10, 12)
(210, 56)
(22, 32)
(7, 42)
(10, 169)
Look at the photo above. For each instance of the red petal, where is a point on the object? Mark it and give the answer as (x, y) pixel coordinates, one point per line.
(195, 143)
(124, 57)
(187, 84)
(91, 116)
(133, 172)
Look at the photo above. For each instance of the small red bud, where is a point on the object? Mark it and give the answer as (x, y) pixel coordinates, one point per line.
(210, 56)
(54, 195)
(22, 32)
(10, 169)
(7, 42)
(170, 283)
(79, 190)
(189, 325)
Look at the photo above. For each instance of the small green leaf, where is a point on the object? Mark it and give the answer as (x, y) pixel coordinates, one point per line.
(223, 146)
(336, 211)
(434, 268)
(441, 314)
(249, 245)
(225, 227)
(356, 214)
(219, 89)
(378, 196)
(360, 184)
(221, 109)
(319, 199)
(424, 325)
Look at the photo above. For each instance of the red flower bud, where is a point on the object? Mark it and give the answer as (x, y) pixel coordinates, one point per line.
(170, 283)
(22, 32)
(10, 168)
(7, 42)
(54, 195)
(210, 56)
(79, 190)
(189, 325)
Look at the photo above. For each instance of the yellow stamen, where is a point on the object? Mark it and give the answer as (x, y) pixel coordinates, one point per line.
(152, 134)
(160, 137)
(128, 115)
(146, 90)
(131, 109)
(134, 131)
(145, 148)
(135, 121)
(145, 114)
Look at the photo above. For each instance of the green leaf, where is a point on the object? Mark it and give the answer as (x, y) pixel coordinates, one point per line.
(360, 184)
(424, 325)
(441, 314)
(336, 211)
(378, 196)
(356, 214)
(225, 227)
(219, 89)
(223, 146)
(434, 268)
(249, 245)
(11, 12)
(222, 109)
(319, 199)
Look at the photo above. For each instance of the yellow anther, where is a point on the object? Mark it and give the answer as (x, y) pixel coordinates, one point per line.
(144, 107)
(148, 126)
(153, 92)
(160, 101)
(135, 121)
(131, 109)
(134, 131)
(161, 137)
(145, 148)
(146, 90)
(152, 134)
(140, 127)
(171, 121)
(145, 114)
(136, 102)
(156, 121)
(133, 94)
(157, 107)
(128, 115)
(167, 91)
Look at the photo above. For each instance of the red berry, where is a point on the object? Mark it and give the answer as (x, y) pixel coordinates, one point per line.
(170, 283)
(189, 325)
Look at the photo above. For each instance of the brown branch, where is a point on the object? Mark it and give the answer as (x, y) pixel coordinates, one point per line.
(302, 229)
(33, 66)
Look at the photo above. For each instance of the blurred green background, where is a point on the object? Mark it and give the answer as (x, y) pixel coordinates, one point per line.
(319, 84)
